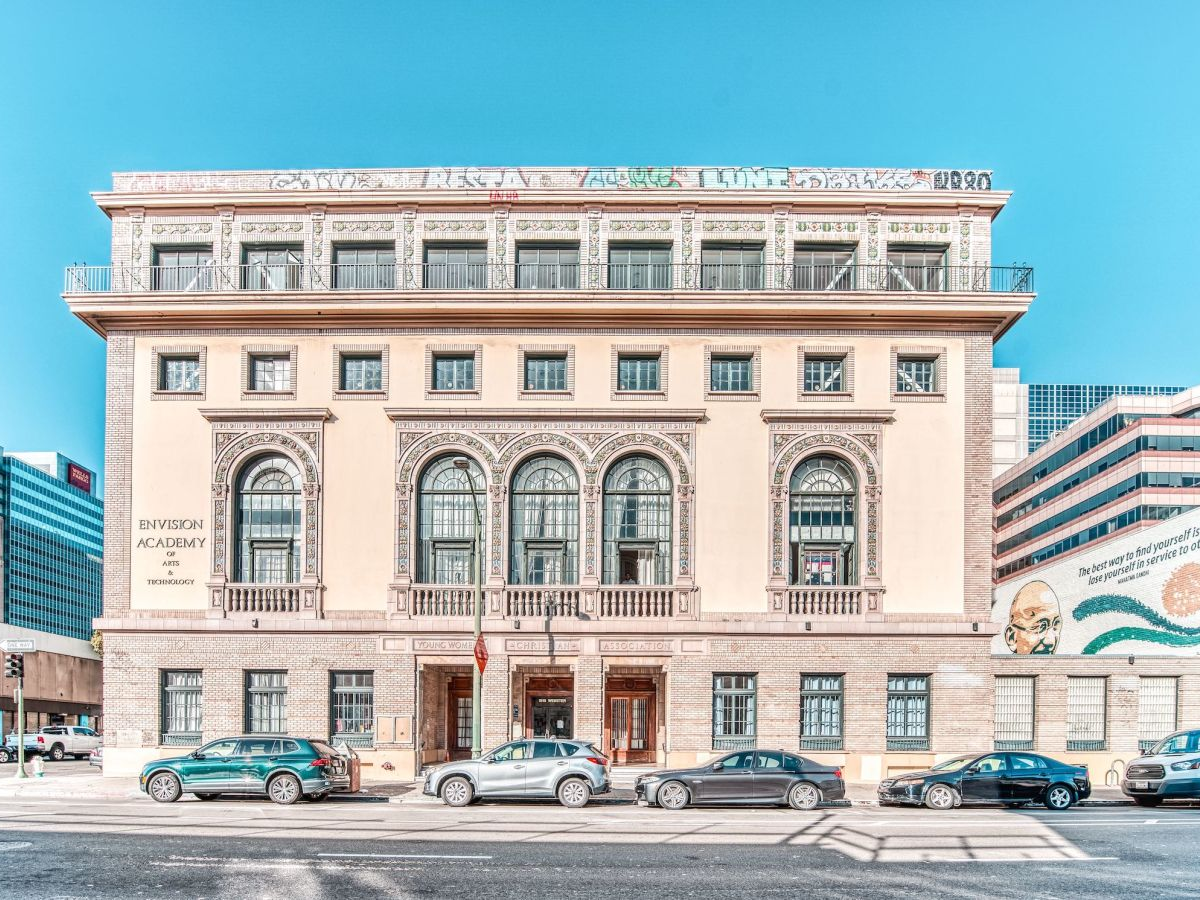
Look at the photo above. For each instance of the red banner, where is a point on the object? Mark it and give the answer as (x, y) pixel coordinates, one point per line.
(481, 656)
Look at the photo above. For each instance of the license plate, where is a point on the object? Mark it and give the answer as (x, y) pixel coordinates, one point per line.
(1141, 785)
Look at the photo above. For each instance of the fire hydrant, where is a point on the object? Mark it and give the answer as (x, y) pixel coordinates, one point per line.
(38, 766)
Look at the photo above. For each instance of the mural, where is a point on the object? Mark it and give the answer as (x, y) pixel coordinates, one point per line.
(1136, 594)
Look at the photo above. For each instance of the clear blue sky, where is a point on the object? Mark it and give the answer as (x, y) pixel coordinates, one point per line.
(1087, 111)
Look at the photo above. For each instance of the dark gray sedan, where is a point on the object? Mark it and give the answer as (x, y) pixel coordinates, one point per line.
(745, 778)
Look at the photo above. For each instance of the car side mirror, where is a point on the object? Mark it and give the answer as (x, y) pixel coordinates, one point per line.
(196, 754)
(974, 770)
(718, 766)
(1142, 751)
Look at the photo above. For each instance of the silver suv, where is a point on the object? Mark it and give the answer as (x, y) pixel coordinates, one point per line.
(572, 771)
(1170, 770)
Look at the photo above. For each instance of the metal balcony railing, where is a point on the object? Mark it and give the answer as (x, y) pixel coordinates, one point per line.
(723, 742)
(470, 277)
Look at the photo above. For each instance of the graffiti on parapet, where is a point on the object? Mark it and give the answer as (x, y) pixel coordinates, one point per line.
(327, 180)
(744, 178)
(630, 177)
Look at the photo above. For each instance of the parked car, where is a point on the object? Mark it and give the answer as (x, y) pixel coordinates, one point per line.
(1014, 779)
(280, 767)
(571, 771)
(747, 777)
(1170, 770)
(96, 758)
(54, 741)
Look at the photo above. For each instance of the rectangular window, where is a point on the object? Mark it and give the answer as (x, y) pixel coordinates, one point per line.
(179, 374)
(548, 268)
(824, 267)
(182, 269)
(916, 375)
(270, 373)
(182, 708)
(272, 268)
(362, 372)
(643, 268)
(1158, 709)
(731, 267)
(638, 373)
(454, 372)
(352, 708)
(1087, 712)
(364, 267)
(908, 712)
(456, 267)
(266, 702)
(916, 268)
(821, 702)
(1014, 712)
(824, 374)
(734, 714)
(731, 374)
(546, 373)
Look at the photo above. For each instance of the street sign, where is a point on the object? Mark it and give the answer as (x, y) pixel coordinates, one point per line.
(481, 656)
(18, 645)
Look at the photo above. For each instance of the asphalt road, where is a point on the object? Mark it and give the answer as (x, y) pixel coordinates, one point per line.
(345, 849)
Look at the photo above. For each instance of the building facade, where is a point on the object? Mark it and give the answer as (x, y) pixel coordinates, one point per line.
(51, 572)
(727, 433)
(1098, 583)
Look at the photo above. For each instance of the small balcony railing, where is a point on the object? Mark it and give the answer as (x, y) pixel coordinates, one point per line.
(542, 602)
(910, 744)
(181, 739)
(262, 598)
(726, 742)
(637, 602)
(436, 600)
(825, 601)
(727, 278)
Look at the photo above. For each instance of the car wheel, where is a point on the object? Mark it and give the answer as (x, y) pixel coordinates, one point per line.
(207, 796)
(673, 795)
(804, 796)
(573, 793)
(1059, 796)
(164, 787)
(457, 791)
(1140, 801)
(941, 796)
(5, 756)
(57, 753)
(284, 789)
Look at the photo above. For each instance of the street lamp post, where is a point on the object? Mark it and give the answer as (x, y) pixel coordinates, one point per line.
(464, 465)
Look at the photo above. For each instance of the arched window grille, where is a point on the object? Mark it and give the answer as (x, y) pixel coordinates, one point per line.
(544, 529)
(268, 521)
(446, 521)
(637, 522)
(821, 522)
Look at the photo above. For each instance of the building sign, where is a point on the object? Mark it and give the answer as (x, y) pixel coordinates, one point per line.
(1138, 594)
(175, 546)
(78, 476)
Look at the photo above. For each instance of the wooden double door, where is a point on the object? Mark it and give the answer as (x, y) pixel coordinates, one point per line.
(630, 720)
(458, 717)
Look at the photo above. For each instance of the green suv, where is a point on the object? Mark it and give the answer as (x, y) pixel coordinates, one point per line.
(283, 768)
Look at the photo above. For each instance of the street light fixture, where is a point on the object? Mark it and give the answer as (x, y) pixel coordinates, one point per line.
(464, 465)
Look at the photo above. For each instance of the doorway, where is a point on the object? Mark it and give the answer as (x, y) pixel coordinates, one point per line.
(630, 720)
(459, 720)
(550, 708)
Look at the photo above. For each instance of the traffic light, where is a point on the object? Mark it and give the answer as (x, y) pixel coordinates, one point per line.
(14, 665)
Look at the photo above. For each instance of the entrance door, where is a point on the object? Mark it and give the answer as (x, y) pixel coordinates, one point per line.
(458, 718)
(551, 717)
(629, 720)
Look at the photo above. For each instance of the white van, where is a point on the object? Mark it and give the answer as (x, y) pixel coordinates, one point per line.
(1170, 770)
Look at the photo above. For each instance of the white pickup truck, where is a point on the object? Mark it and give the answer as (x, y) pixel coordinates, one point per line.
(56, 742)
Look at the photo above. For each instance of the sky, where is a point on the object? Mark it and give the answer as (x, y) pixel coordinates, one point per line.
(1086, 111)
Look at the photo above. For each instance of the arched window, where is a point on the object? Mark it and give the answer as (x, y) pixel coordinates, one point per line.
(268, 521)
(544, 530)
(637, 522)
(821, 526)
(446, 507)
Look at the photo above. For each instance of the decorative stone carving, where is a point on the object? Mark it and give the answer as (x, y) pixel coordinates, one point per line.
(652, 225)
(182, 228)
(455, 226)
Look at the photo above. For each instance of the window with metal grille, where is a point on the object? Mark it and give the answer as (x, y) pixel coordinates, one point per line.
(916, 268)
(454, 373)
(548, 268)
(266, 702)
(182, 708)
(908, 712)
(731, 374)
(272, 268)
(446, 509)
(362, 373)
(731, 267)
(352, 708)
(268, 521)
(1014, 712)
(270, 373)
(546, 373)
(824, 267)
(182, 269)
(179, 373)
(734, 714)
(638, 373)
(637, 522)
(643, 268)
(821, 522)
(824, 374)
(544, 525)
(456, 267)
(1158, 708)
(364, 267)
(1086, 712)
(916, 375)
(821, 701)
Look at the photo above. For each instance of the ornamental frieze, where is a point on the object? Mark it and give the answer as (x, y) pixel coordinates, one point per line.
(360, 227)
(658, 225)
(182, 228)
(453, 227)
(735, 227)
(547, 225)
(272, 227)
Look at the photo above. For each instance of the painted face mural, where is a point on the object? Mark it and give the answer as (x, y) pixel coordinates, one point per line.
(1034, 620)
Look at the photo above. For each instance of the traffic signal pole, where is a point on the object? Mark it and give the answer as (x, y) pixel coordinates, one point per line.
(21, 773)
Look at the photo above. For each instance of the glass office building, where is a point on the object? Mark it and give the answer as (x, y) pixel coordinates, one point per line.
(51, 557)
(1053, 407)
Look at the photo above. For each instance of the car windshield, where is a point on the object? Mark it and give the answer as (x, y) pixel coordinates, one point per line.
(951, 765)
(1187, 742)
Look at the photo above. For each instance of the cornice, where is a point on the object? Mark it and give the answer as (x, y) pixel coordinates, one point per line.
(404, 414)
(844, 414)
(252, 414)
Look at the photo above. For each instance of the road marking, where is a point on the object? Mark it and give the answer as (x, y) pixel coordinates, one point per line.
(399, 856)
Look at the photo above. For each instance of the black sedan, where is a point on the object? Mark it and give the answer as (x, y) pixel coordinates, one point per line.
(1014, 779)
(745, 778)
